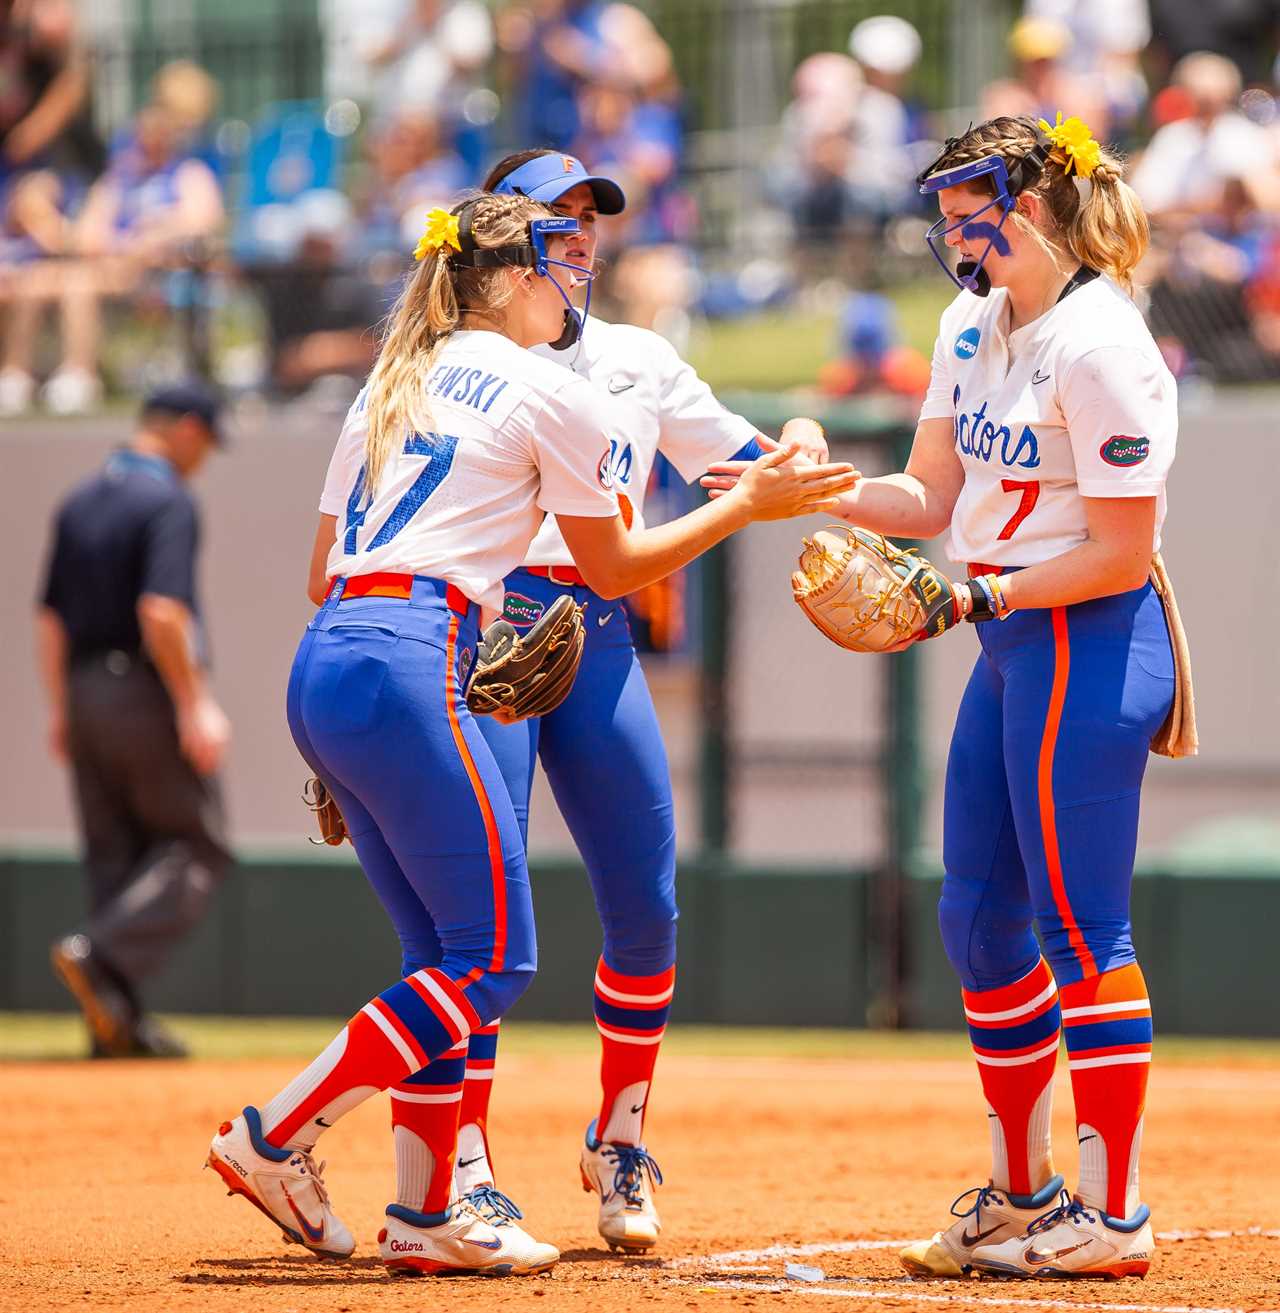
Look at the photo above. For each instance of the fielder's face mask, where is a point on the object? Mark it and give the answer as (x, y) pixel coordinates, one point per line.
(1009, 182)
(529, 255)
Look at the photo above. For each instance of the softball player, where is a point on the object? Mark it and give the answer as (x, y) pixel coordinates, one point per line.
(1043, 446)
(602, 748)
(460, 442)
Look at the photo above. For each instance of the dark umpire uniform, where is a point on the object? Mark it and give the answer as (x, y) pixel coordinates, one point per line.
(122, 654)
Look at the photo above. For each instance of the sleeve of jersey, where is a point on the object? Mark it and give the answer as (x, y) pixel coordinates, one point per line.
(938, 401)
(344, 464)
(695, 430)
(571, 451)
(1122, 419)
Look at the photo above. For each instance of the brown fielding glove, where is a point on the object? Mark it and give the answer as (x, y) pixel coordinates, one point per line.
(517, 676)
(868, 595)
(333, 829)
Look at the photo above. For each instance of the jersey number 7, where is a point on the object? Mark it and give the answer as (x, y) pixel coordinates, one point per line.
(1030, 490)
(439, 450)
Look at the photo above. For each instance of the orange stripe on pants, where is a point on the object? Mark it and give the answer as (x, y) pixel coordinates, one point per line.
(496, 867)
(1048, 812)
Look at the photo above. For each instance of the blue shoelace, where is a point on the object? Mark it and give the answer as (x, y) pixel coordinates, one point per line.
(1069, 1210)
(631, 1163)
(493, 1205)
(984, 1193)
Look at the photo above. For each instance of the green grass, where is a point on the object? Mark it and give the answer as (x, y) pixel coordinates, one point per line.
(28, 1036)
(784, 349)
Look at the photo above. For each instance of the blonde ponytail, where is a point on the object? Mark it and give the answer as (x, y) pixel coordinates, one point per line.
(1109, 231)
(428, 310)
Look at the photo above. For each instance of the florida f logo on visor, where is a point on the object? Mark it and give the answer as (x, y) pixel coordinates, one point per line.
(969, 275)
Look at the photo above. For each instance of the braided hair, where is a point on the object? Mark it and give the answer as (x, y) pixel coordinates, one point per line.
(1098, 220)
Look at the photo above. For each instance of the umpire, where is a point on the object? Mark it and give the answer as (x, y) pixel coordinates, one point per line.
(121, 652)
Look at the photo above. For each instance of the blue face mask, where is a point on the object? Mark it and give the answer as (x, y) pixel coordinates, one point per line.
(969, 275)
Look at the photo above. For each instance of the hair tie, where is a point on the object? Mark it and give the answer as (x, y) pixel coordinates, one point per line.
(441, 231)
(1074, 145)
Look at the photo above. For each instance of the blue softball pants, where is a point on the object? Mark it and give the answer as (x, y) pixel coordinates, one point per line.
(376, 709)
(1043, 779)
(603, 754)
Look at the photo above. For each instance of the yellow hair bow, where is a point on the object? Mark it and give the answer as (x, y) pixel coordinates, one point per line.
(1075, 143)
(441, 230)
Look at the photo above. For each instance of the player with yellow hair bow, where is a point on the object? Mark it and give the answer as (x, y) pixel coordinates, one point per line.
(441, 232)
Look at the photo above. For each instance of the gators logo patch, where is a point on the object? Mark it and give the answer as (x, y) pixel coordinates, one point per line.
(1121, 449)
(519, 610)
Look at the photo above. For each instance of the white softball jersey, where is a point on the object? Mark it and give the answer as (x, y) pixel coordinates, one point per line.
(1078, 403)
(509, 438)
(655, 402)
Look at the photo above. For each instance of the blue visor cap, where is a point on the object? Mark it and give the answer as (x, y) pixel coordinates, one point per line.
(547, 177)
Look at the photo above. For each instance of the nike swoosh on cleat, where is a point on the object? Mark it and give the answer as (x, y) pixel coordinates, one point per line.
(971, 1240)
(483, 1244)
(467, 1162)
(1039, 1259)
(312, 1232)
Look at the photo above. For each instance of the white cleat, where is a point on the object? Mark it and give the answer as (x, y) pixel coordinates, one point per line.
(284, 1184)
(415, 1244)
(1074, 1241)
(992, 1217)
(623, 1175)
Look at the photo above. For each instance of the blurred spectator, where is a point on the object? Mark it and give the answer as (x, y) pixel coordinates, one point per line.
(1107, 39)
(189, 96)
(145, 215)
(1044, 84)
(321, 313)
(122, 655)
(885, 126)
(410, 169)
(555, 47)
(1183, 170)
(872, 356)
(429, 56)
(1245, 31)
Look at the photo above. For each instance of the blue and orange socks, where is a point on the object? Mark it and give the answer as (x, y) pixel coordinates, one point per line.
(1107, 1022)
(394, 1035)
(424, 1124)
(1014, 1031)
(631, 1016)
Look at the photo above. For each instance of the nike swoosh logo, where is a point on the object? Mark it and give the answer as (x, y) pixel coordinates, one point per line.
(979, 1237)
(312, 1232)
(1083, 1138)
(1039, 1259)
(639, 1109)
(483, 1244)
(1038, 377)
(602, 620)
(617, 385)
(320, 1121)
(467, 1162)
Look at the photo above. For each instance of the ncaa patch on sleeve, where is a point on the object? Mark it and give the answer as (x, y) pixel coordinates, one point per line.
(967, 343)
(1121, 449)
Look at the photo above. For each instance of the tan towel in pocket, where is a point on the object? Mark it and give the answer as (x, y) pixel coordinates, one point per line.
(1177, 736)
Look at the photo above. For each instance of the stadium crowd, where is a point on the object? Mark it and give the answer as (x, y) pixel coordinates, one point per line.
(309, 212)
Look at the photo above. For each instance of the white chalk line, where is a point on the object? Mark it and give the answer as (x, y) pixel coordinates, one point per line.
(901, 1291)
(740, 1256)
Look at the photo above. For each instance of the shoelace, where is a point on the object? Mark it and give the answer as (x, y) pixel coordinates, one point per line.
(317, 1175)
(493, 1205)
(631, 1164)
(1069, 1210)
(985, 1193)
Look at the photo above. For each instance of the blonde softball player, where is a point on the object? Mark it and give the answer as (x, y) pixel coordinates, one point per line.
(1043, 447)
(461, 441)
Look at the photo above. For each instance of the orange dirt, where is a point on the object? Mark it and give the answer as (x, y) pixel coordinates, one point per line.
(105, 1206)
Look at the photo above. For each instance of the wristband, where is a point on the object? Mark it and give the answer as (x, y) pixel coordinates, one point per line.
(987, 599)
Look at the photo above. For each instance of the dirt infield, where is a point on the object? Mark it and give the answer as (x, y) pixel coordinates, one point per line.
(105, 1206)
